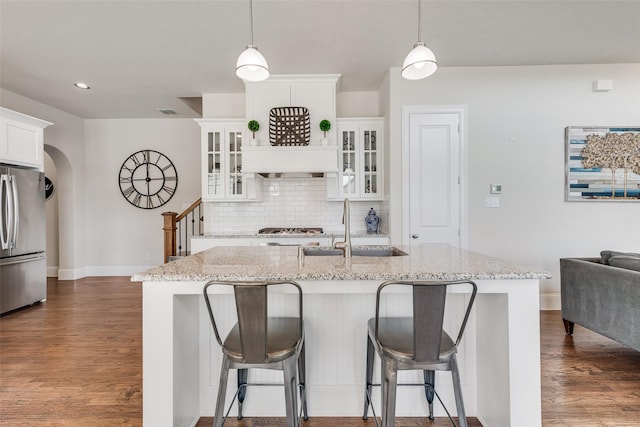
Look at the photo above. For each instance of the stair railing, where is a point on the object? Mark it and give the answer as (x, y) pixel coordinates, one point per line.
(179, 228)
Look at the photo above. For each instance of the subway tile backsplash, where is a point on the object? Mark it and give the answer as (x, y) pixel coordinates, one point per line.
(290, 202)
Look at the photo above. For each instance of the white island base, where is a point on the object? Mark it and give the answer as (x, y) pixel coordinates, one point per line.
(499, 357)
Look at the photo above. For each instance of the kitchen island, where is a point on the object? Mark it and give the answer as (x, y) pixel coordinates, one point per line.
(499, 358)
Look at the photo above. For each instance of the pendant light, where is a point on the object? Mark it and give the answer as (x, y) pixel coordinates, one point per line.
(420, 62)
(251, 65)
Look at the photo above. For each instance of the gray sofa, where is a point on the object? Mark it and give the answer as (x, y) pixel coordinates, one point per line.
(603, 294)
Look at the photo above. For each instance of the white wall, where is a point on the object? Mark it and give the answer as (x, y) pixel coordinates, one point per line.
(223, 105)
(122, 238)
(384, 103)
(516, 122)
(357, 104)
(51, 213)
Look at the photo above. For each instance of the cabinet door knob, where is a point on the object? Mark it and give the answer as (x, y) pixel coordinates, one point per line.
(415, 236)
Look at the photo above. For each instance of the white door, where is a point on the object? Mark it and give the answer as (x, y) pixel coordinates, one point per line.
(434, 178)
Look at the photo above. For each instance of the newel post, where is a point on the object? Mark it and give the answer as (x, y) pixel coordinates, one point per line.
(169, 234)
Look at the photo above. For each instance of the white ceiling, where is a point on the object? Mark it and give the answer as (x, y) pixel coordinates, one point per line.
(142, 55)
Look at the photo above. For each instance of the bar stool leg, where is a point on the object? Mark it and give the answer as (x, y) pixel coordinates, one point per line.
(242, 389)
(457, 390)
(302, 375)
(389, 385)
(222, 392)
(429, 389)
(369, 377)
(291, 391)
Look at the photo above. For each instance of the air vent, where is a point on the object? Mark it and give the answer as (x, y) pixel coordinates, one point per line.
(167, 111)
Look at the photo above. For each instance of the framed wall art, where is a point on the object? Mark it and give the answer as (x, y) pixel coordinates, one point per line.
(602, 163)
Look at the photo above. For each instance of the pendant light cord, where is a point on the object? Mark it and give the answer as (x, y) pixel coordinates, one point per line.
(251, 19)
(419, 39)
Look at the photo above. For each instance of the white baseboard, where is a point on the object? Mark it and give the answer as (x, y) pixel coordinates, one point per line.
(70, 273)
(124, 270)
(79, 273)
(550, 301)
(52, 271)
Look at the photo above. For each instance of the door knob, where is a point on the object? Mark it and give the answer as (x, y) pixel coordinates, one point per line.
(415, 236)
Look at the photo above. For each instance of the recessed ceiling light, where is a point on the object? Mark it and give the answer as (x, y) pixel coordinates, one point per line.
(81, 85)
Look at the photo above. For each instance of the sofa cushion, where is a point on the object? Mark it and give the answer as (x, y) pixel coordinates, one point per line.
(628, 262)
(605, 255)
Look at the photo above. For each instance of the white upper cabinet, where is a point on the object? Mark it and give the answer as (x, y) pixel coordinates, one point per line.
(222, 175)
(360, 151)
(21, 139)
(317, 93)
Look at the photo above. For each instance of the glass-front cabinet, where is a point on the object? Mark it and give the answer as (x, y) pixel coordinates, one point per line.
(222, 177)
(360, 163)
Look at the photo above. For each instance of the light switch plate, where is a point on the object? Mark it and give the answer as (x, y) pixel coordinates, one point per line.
(491, 202)
(496, 189)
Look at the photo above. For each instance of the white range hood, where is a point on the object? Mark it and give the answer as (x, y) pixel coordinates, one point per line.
(290, 159)
(316, 94)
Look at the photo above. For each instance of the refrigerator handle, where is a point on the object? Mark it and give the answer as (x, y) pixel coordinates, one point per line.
(5, 211)
(16, 212)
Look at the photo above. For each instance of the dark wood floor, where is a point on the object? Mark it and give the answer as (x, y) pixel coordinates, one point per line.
(76, 360)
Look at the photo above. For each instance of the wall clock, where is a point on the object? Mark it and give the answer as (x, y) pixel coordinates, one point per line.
(48, 188)
(148, 179)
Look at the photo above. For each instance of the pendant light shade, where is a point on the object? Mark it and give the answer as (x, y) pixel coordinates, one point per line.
(420, 62)
(251, 65)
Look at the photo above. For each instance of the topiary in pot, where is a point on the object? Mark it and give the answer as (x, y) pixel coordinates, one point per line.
(253, 126)
(325, 126)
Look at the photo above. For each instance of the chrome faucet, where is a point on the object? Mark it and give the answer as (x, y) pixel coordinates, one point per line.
(346, 245)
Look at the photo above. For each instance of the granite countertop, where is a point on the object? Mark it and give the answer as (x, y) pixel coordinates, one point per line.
(426, 262)
(308, 236)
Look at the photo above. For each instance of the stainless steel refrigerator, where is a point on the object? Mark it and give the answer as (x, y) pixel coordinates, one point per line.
(23, 262)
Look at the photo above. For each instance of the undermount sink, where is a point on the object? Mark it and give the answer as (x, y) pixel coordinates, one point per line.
(373, 251)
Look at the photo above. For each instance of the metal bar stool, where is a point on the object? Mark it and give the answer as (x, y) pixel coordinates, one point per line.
(260, 341)
(418, 342)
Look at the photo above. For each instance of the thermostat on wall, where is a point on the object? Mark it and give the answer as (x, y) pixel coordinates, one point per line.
(496, 189)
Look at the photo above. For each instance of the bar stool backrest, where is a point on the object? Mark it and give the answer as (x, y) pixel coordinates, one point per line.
(429, 300)
(251, 299)
(428, 316)
(251, 306)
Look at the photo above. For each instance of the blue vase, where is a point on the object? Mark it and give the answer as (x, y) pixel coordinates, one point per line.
(373, 222)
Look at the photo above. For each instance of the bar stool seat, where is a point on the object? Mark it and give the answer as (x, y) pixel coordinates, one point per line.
(397, 335)
(283, 340)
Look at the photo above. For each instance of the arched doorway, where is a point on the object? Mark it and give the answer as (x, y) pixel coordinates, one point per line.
(65, 196)
(51, 213)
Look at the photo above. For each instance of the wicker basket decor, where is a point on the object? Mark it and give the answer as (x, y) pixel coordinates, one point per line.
(289, 126)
